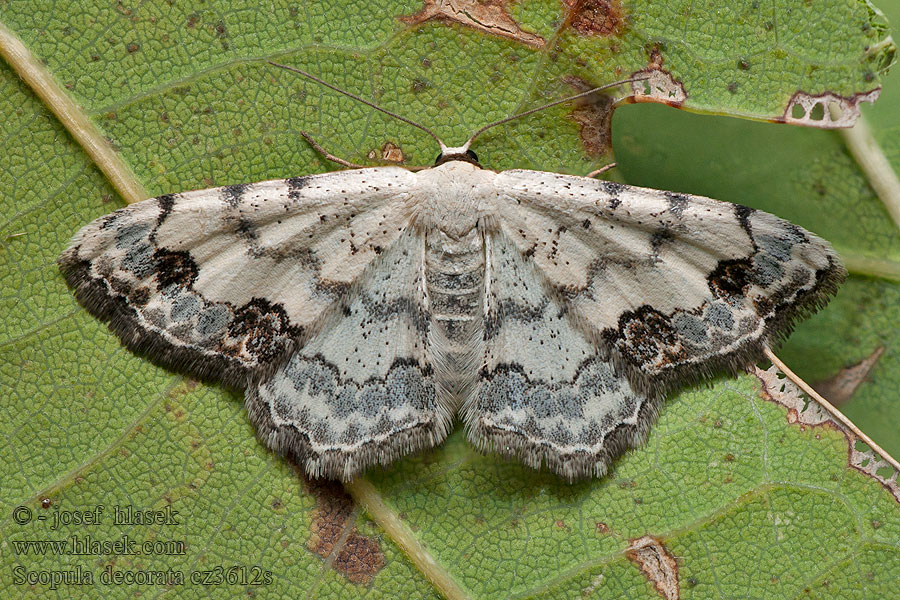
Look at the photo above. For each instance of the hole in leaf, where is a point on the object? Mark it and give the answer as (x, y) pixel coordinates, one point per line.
(818, 112)
(885, 472)
(797, 111)
(834, 108)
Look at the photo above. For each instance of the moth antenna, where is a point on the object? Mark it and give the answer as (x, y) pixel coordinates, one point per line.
(602, 169)
(328, 155)
(549, 104)
(360, 99)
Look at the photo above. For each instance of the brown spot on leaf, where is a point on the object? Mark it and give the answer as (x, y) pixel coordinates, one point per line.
(596, 17)
(657, 565)
(334, 537)
(488, 16)
(839, 389)
(594, 117)
(359, 559)
(132, 48)
(46, 502)
(827, 110)
(390, 152)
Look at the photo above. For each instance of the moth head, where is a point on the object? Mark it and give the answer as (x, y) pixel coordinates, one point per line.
(460, 153)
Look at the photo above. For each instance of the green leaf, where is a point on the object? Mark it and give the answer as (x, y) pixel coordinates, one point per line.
(737, 500)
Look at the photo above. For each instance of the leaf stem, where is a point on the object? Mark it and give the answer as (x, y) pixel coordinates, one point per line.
(365, 494)
(875, 165)
(867, 266)
(74, 119)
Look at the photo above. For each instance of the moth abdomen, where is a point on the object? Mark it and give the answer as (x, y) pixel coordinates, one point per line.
(454, 289)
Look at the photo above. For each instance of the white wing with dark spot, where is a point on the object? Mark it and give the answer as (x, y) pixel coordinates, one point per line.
(602, 297)
(361, 310)
(222, 283)
(678, 286)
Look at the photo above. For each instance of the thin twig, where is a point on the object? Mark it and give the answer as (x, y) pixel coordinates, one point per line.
(876, 166)
(830, 408)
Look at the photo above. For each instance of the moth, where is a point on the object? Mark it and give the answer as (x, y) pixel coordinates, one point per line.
(362, 310)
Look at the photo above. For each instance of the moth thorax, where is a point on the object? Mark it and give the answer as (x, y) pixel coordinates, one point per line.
(454, 195)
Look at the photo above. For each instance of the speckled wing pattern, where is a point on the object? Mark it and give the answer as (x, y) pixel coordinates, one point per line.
(362, 310)
(605, 296)
(361, 390)
(224, 283)
(548, 394)
(258, 285)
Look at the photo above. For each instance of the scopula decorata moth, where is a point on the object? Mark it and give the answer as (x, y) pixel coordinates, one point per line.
(362, 310)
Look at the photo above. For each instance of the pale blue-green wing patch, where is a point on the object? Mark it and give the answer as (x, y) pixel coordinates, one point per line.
(359, 392)
(546, 394)
(677, 286)
(222, 283)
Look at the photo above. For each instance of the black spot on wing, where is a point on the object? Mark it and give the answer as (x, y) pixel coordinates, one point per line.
(731, 278)
(659, 238)
(644, 336)
(677, 203)
(246, 229)
(174, 268)
(612, 188)
(264, 326)
(295, 185)
(166, 203)
(232, 194)
(743, 216)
